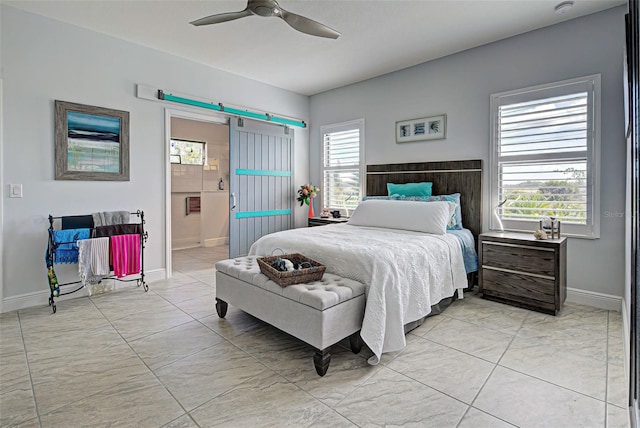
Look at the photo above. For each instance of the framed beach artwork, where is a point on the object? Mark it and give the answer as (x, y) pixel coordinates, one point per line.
(426, 128)
(92, 143)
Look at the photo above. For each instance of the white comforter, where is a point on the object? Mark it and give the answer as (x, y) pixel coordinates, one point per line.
(405, 272)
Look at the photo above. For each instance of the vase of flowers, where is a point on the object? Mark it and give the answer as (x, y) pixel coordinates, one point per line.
(306, 193)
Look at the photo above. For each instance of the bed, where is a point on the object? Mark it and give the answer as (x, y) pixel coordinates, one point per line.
(409, 274)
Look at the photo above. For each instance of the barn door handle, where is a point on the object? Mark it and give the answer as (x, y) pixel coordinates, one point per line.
(233, 201)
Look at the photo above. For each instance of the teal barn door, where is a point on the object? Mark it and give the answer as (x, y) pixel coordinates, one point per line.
(261, 188)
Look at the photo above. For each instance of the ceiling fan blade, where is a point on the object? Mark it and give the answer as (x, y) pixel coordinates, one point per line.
(308, 26)
(221, 17)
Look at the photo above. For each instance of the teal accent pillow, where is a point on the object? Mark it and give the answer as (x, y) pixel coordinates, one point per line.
(455, 223)
(410, 189)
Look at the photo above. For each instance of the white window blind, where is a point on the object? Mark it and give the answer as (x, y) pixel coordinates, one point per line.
(545, 150)
(342, 165)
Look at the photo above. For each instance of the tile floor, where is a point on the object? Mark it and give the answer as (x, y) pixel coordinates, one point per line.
(165, 359)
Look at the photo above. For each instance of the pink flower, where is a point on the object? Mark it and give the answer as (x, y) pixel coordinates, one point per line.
(306, 192)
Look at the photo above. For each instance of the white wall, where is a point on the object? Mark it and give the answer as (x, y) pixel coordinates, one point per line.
(45, 60)
(460, 86)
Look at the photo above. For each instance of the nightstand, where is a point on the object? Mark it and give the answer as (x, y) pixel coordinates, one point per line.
(319, 221)
(519, 270)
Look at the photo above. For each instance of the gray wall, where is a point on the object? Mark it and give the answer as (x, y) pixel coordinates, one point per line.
(45, 60)
(460, 86)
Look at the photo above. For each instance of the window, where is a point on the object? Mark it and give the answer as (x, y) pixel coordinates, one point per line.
(342, 163)
(546, 147)
(187, 152)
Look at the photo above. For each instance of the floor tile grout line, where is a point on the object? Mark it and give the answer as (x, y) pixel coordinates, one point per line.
(188, 412)
(486, 413)
(463, 415)
(544, 380)
(464, 352)
(497, 363)
(71, 402)
(26, 357)
(424, 384)
(256, 359)
(430, 387)
(187, 415)
(277, 374)
(553, 383)
(354, 389)
(513, 338)
(145, 364)
(267, 367)
(453, 317)
(161, 331)
(454, 349)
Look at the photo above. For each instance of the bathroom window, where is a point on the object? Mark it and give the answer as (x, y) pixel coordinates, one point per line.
(188, 152)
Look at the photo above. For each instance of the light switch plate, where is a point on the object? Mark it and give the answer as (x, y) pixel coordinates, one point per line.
(15, 190)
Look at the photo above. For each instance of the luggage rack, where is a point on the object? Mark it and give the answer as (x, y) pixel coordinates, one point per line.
(50, 258)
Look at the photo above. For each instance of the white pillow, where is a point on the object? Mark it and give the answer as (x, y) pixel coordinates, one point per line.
(406, 215)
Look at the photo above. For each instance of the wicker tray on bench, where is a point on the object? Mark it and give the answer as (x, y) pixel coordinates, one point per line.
(314, 273)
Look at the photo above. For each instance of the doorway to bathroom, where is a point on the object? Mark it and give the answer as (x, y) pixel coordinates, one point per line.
(199, 183)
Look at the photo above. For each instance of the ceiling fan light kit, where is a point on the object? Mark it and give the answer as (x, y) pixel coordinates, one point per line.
(271, 8)
(564, 7)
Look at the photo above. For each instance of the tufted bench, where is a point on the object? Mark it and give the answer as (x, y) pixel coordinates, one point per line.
(320, 313)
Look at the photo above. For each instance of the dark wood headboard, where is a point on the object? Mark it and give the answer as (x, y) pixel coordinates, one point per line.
(464, 177)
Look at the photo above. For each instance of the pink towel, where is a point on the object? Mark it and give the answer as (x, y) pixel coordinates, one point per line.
(125, 254)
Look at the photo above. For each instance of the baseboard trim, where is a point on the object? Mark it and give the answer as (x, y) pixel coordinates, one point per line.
(595, 299)
(184, 243)
(41, 298)
(155, 275)
(216, 242)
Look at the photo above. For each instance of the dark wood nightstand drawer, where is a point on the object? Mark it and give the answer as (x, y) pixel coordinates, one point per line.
(521, 286)
(519, 270)
(520, 258)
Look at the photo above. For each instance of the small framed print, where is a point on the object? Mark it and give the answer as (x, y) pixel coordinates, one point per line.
(426, 128)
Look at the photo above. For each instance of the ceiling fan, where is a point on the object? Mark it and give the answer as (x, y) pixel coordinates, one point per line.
(271, 8)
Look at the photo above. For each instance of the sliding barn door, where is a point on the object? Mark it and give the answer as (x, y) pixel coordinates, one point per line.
(261, 188)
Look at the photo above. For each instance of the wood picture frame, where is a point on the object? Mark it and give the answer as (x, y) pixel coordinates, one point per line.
(426, 128)
(92, 143)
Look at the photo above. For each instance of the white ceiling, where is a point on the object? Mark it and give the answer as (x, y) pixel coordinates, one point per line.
(378, 37)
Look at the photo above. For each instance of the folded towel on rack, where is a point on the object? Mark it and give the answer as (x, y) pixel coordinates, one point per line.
(77, 222)
(125, 254)
(65, 244)
(84, 261)
(100, 256)
(118, 229)
(106, 218)
(93, 260)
